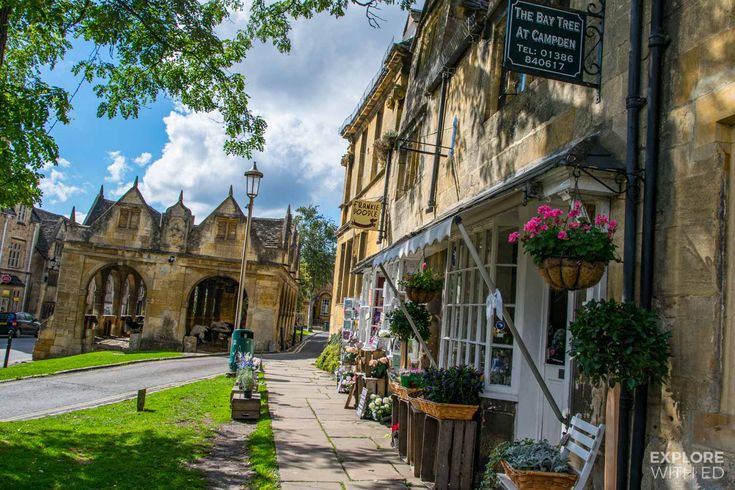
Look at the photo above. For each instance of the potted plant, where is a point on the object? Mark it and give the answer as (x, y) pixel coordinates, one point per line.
(385, 144)
(451, 394)
(531, 465)
(412, 378)
(379, 367)
(619, 342)
(401, 328)
(246, 375)
(380, 407)
(423, 286)
(570, 251)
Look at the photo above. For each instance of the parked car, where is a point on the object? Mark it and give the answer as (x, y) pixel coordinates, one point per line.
(21, 323)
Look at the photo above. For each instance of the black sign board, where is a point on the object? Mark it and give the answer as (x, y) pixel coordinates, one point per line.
(545, 41)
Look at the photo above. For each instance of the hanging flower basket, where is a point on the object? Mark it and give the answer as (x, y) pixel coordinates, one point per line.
(569, 249)
(420, 296)
(570, 273)
(539, 480)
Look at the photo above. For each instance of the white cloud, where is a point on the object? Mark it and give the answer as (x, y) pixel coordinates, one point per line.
(304, 96)
(117, 168)
(143, 159)
(55, 188)
(60, 162)
(80, 216)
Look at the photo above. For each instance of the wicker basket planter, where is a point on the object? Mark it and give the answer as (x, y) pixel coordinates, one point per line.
(571, 273)
(443, 411)
(401, 391)
(539, 480)
(420, 296)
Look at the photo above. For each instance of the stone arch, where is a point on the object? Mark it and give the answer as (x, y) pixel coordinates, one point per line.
(211, 306)
(113, 292)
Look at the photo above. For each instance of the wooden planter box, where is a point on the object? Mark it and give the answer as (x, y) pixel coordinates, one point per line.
(445, 452)
(245, 408)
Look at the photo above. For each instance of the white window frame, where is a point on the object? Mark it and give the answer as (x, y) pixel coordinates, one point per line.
(324, 308)
(470, 343)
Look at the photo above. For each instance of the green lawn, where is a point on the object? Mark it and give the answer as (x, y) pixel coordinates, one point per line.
(262, 447)
(102, 358)
(116, 447)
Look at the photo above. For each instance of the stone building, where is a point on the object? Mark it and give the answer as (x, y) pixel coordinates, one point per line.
(129, 266)
(492, 145)
(19, 235)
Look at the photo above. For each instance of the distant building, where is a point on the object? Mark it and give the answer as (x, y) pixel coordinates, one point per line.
(18, 237)
(129, 265)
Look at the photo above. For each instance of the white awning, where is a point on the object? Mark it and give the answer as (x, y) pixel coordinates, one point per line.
(429, 236)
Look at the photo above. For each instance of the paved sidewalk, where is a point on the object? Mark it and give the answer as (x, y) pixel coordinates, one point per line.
(322, 445)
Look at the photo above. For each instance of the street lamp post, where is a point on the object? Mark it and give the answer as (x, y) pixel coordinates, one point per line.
(252, 183)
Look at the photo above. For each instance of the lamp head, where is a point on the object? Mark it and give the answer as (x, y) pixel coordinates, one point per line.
(252, 181)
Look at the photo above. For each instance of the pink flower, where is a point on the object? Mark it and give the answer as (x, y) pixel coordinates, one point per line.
(562, 235)
(573, 213)
(424, 266)
(574, 225)
(612, 225)
(513, 237)
(577, 204)
(532, 224)
(601, 219)
(587, 227)
(544, 209)
(544, 227)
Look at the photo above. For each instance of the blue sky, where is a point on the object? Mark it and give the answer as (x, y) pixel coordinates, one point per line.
(304, 96)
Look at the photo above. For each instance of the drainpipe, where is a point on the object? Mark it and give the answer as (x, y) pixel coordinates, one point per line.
(381, 228)
(656, 45)
(633, 103)
(438, 142)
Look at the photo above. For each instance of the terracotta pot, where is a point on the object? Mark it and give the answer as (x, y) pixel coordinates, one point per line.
(571, 273)
(420, 296)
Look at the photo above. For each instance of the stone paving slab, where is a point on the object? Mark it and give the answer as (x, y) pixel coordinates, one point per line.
(319, 443)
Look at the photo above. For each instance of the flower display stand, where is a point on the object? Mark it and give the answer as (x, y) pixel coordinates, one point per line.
(377, 386)
(447, 450)
(245, 408)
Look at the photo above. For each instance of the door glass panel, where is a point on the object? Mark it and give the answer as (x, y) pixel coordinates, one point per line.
(501, 366)
(556, 331)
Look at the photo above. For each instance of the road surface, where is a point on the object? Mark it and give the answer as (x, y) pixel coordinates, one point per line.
(22, 349)
(39, 397)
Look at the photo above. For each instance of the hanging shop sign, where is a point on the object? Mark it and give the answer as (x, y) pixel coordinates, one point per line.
(545, 41)
(365, 215)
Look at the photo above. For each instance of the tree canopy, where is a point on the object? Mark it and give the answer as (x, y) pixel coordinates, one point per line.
(139, 50)
(318, 238)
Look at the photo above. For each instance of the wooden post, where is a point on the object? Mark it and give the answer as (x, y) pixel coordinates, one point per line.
(612, 410)
(141, 400)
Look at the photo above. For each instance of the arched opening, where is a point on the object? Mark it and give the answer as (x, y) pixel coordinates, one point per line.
(115, 301)
(211, 311)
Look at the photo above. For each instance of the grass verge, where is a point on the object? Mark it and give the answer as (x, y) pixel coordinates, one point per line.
(262, 448)
(91, 359)
(116, 447)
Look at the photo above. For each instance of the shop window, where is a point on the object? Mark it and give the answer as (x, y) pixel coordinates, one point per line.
(129, 219)
(15, 252)
(467, 338)
(227, 230)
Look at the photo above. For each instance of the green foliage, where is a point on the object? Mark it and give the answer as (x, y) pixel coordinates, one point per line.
(460, 385)
(90, 359)
(328, 360)
(98, 447)
(318, 237)
(425, 279)
(386, 143)
(400, 327)
(524, 455)
(619, 343)
(141, 50)
(262, 447)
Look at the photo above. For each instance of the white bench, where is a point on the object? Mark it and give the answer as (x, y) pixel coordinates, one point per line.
(583, 440)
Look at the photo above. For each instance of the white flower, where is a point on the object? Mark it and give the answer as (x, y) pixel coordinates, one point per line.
(372, 406)
(386, 400)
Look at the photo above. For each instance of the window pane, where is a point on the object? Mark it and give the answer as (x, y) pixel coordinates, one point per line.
(506, 283)
(502, 336)
(507, 252)
(501, 366)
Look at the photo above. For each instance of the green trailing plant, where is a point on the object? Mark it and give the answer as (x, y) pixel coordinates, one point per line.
(460, 385)
(328, 360)
(619, 342)
(524, 455)
(400, 327)
(386, 143)
(424, 279)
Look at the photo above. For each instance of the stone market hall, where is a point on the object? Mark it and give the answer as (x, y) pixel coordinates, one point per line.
(128, 266)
